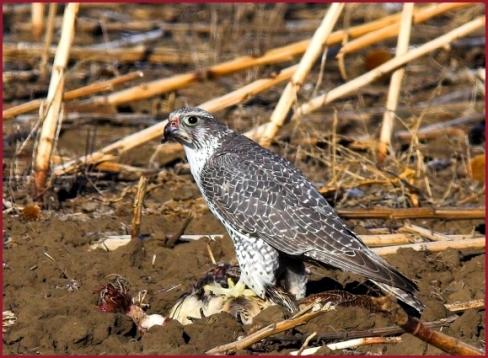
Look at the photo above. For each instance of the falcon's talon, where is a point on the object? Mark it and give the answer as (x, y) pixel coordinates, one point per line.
(234, 290)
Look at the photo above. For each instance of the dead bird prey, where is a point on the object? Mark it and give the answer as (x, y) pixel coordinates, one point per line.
(209, 296)
(275, 216)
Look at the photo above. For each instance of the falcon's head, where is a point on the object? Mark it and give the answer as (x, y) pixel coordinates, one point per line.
(193, 127)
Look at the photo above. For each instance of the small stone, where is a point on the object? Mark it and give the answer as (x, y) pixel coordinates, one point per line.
(89, 206)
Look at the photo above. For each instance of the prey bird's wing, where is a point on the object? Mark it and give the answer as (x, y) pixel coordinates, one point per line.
(262, 195)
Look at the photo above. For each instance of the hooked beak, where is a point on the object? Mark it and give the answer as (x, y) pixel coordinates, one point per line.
(170, 131)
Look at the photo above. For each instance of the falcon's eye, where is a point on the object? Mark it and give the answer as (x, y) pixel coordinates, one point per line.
(192, 120)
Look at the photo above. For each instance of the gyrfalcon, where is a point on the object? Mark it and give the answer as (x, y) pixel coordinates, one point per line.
(275, 216)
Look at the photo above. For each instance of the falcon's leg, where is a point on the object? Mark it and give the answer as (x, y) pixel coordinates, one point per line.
(258, 262)
(261, 265)
(294, 276)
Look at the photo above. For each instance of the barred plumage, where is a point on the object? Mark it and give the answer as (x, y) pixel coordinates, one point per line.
(275, 216)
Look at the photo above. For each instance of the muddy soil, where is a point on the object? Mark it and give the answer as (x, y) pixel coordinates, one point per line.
(51, 278)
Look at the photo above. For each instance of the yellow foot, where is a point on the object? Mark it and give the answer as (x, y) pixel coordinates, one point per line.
(234, 290)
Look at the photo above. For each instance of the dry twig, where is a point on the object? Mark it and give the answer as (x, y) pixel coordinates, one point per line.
(114, 167)
(411, 213)
(395, 83)
(37, 19)
(84, 91)
(475, 243)
(54, 99)
(289, 95)
(387, 239)
(429, 234)
(267, 331)
(242, 94)
(94, 53)
(357, 342)
(48, 39)
(137, 208)
(463, 306)
(420, 330)
(442, 128)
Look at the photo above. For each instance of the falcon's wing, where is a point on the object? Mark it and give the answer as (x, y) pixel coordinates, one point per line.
(263, 195)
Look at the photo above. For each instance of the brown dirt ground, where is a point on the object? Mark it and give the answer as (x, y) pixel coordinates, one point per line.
(53, 319)
(55, 299)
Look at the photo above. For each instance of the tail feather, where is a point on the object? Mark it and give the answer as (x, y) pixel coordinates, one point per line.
(408, 298)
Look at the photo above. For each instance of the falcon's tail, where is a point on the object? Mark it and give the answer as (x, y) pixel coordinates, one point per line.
(408, 298)
(377, 270)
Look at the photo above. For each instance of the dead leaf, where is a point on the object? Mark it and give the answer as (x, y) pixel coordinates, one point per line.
(477, 165)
